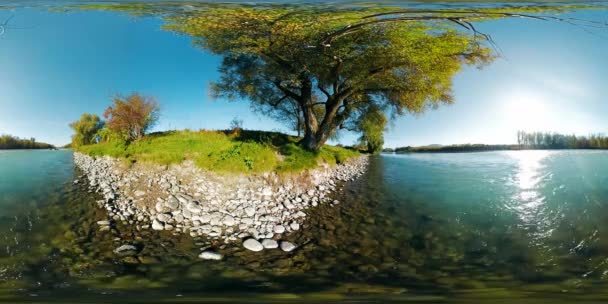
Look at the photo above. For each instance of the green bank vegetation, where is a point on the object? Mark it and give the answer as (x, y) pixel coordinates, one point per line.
(124, 135)
(222, 151)
(14, 142)
(525, 141)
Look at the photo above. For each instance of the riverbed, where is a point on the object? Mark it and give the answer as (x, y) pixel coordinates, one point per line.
(525, 226)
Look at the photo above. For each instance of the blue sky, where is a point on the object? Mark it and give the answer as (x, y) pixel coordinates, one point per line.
(65, 64)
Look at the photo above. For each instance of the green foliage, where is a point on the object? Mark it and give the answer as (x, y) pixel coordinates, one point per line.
(132, 116)
(13, 142)
(372, 124)
(85, 129)
(105, 135)
(222, 151)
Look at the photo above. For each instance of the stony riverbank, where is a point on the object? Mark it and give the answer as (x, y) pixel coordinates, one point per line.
(252, 210)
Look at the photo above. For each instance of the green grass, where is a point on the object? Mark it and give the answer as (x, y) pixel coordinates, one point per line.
(221, 151)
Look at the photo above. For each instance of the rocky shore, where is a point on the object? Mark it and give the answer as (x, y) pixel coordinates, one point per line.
(252, 210)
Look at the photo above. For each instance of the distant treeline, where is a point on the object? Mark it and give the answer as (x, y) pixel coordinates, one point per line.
(560, 141)
(534, 140)
(13, 142)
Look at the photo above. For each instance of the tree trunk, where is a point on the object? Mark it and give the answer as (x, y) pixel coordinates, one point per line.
(310, 142)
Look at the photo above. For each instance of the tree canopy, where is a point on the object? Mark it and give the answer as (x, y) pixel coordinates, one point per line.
(85, 129)
(331, 71)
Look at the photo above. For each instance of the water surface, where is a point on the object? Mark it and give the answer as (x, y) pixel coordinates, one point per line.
(525, 226)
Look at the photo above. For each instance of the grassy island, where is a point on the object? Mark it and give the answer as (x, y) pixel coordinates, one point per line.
(230, 151)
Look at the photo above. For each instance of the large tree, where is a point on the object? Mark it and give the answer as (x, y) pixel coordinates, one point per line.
(315, 60)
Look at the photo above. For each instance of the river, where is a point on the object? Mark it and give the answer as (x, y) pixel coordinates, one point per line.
(525, 226)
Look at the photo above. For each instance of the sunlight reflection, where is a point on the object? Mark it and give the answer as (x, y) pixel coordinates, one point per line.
(528, 199)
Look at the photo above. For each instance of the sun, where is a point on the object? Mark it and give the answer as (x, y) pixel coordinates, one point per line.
(526, 111)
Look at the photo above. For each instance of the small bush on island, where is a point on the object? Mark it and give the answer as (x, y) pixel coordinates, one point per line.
(132, 117)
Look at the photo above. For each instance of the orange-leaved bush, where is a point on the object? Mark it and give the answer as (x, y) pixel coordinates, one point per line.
(132, 116)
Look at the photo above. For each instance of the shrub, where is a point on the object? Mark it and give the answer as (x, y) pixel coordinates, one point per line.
(132, 116)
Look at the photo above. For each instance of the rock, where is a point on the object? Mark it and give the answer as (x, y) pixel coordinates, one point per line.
(287, 246)
(126, 250)
(130, 260)
(187, 214)
(172, 203)
(103, 223)
(270, 244)
(294, 226)
(179, 218)
(253, 245)
(278, 229)
(163, 217)
(250, 211)
(205, 218)
(156, 225)
(148, 260)
(267, 191)
(210, 255)
(139, 193)
(229, 220)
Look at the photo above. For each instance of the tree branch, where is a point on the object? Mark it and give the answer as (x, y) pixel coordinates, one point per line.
(276, 103)
(286, 91)
(458, 17)
(324, 91)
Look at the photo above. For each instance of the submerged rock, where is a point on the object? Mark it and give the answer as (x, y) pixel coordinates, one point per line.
(278, 229)
(126, 250)
(287, 246)
(253, 245)
(156, 225)
(270, 244)
(210, 255)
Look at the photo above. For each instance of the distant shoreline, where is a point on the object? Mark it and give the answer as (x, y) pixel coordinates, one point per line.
(457, 149)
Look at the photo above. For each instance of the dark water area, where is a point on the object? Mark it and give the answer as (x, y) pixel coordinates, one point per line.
(497, 227)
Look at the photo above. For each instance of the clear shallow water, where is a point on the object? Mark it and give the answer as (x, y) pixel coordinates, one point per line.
(526, 226)
(28, 177)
